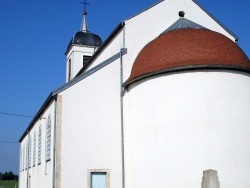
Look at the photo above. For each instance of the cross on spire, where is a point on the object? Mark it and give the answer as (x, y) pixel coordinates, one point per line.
(84, 26)
(85, 5)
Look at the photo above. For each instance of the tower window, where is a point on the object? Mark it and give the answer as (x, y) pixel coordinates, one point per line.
(69, 73)
(85, 59)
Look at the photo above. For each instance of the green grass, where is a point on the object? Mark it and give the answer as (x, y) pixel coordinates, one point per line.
(8, 183)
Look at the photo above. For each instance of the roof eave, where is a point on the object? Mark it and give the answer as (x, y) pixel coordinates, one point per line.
(38, 114)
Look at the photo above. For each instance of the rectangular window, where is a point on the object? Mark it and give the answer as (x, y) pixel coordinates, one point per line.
(98, 178)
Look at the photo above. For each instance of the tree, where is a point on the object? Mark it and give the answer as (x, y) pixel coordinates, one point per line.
(8, 176)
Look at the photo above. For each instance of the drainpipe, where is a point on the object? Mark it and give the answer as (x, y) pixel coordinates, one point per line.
(54, 145)
(121, 111)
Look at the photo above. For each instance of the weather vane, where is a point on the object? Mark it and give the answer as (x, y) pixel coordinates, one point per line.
(85, 5)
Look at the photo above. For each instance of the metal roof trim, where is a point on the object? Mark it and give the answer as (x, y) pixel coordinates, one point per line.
(38, 115)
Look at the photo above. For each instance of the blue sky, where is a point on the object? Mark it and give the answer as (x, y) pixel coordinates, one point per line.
(34, 36)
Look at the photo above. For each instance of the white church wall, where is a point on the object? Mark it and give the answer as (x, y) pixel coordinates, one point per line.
(40, 175)
(181, 124)
(146, 26)
(111, 49)
(91, 130)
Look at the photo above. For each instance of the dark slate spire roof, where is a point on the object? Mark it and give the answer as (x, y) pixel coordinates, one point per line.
(84, 37)
(183, 23)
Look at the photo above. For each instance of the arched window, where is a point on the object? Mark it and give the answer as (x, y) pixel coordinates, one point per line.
(34, 150)
(48, 138)
(39, 146)
(21, 158)
(27, 154)
(29, 141)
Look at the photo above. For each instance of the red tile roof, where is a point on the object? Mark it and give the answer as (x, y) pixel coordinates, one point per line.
(183, 48)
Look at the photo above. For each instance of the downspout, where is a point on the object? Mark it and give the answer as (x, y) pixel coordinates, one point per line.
(54, 144)
(122, 122)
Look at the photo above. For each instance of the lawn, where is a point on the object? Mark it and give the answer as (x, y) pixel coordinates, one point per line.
(8, 184)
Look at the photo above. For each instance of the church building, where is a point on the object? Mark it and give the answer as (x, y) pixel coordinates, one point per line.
(160, 106)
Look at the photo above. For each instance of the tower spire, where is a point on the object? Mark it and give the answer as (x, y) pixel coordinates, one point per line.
(84, 26)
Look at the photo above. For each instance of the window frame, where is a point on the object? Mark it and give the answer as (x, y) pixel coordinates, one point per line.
(92, 171)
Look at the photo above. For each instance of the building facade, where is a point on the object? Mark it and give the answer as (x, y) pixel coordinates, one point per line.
(148, 107)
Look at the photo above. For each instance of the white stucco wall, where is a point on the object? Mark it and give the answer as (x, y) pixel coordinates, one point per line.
(40, 175)
(91, 131)
(181, 124)
(111, 49)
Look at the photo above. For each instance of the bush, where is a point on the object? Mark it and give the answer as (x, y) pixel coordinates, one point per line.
(8, 176)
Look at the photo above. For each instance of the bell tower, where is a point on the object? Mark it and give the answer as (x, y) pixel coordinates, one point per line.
(81, 47)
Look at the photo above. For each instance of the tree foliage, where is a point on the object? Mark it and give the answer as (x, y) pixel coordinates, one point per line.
(8, 176)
